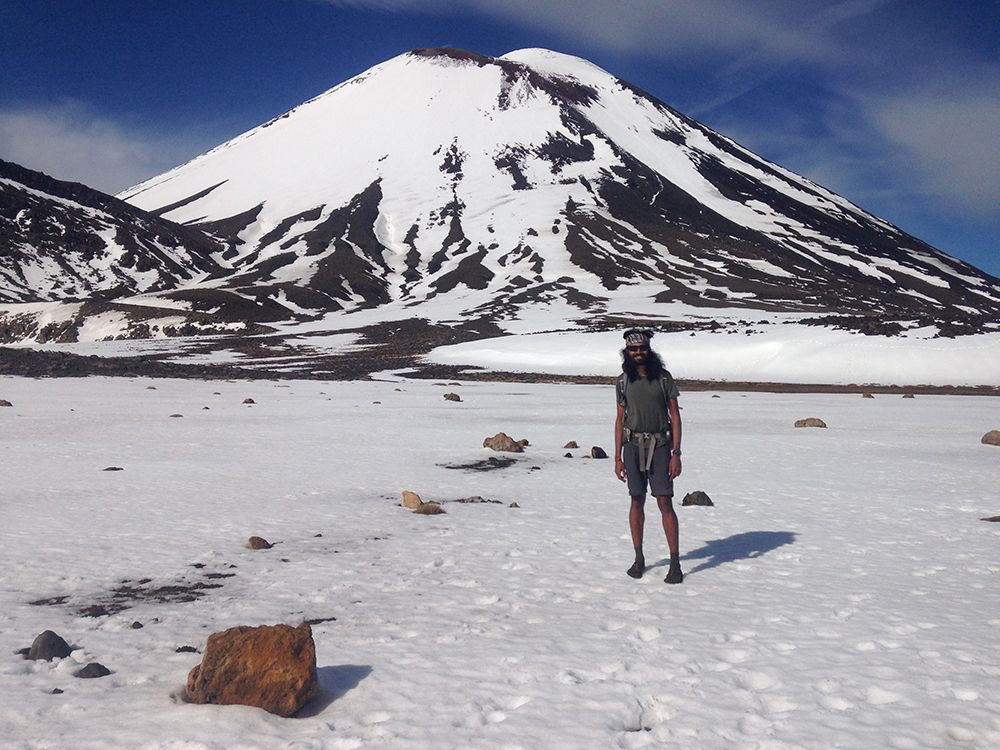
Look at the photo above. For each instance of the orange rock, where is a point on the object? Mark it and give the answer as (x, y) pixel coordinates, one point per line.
(272, 667)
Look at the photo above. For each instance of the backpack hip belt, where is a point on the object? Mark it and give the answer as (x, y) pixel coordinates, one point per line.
(646, 442)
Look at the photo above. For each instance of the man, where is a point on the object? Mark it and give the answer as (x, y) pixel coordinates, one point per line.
(648, 443)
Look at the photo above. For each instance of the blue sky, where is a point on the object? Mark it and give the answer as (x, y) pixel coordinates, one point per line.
(894, 104)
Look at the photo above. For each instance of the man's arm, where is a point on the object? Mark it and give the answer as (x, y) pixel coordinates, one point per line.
(619, 424)
(674, 470)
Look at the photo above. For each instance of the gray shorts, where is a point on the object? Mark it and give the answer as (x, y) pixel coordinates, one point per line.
(658, 477)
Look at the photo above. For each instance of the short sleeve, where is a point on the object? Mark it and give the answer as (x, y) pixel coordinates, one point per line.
(672, 391)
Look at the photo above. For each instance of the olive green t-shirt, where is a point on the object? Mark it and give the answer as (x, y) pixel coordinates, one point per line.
(645, 408)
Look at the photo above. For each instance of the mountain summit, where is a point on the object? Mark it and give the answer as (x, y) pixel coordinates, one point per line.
(535, 176)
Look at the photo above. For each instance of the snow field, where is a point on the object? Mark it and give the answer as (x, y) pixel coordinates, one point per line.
(841, 593)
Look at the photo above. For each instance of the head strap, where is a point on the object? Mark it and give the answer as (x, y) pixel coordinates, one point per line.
(637, 336)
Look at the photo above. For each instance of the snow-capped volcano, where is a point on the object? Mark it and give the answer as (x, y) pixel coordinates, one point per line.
(532, 176)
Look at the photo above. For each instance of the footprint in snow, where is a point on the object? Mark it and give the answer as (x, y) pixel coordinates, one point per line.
(647, 633)
(877, 696)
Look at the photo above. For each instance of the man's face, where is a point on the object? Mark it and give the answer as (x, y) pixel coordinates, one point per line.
(638, 352)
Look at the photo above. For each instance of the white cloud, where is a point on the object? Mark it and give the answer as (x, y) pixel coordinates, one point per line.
(948, 137)
(70, 142)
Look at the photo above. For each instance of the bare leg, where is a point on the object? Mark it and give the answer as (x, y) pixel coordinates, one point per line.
(670, 529)
(669, 517)
(636, 523)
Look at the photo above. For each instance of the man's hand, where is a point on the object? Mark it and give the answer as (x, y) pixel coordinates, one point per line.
(674, 469)
(620, 468)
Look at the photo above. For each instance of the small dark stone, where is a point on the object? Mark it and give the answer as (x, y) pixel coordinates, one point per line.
(24, 651)
(176, 415)
(249, 401)
(319, 620)
(92, 670)
(186, 650)
(5, 402)
(137, 625)
(452, 397)
(94, 610)
(598, 452)
(317, 536)
(48, 645)
(56, 691)
(514, 505)
(994, 519)
(567, 455)
(258, 542)
(113, 468)
(697, 498)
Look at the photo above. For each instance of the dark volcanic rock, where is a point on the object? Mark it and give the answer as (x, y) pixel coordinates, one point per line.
(92, 670)
(598, 452)
(5, 402)
(48, 645)
(991, 438)
(258, 542)
(697, 498)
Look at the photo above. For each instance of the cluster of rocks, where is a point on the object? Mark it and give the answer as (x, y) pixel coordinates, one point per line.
(504, 442)
(49, 645)
(412, 501)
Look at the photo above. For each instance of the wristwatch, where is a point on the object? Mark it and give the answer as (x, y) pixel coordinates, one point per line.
(676, 452)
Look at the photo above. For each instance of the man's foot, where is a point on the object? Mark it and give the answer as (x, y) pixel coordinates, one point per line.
(637, 569)
(674, 574)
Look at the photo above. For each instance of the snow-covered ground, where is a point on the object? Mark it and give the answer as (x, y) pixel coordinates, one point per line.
(842, 592)
(783, 353)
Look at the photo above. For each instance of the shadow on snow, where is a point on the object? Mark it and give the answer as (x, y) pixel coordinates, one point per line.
(744, 546)
(334, 683)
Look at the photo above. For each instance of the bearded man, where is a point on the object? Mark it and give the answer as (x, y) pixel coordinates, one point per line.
(648, 443)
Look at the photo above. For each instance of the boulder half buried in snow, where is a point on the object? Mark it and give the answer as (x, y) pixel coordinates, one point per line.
(503, 442)
(272, 667)
(810, 422)
(991, 438)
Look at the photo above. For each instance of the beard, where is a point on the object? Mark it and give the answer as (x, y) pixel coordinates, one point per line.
(652, 363)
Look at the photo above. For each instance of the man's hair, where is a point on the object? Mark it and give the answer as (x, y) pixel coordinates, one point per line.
(654, 366)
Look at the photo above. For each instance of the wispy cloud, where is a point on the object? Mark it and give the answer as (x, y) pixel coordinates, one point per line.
(69, 141)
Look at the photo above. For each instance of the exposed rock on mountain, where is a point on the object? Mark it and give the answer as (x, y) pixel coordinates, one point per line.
(65, 241)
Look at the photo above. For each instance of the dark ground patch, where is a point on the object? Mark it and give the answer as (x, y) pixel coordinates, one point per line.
(487, 464)
(129, 592)
(399, 346)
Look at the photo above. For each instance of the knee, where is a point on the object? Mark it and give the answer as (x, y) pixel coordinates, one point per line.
(666, 503)
(638, 501)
